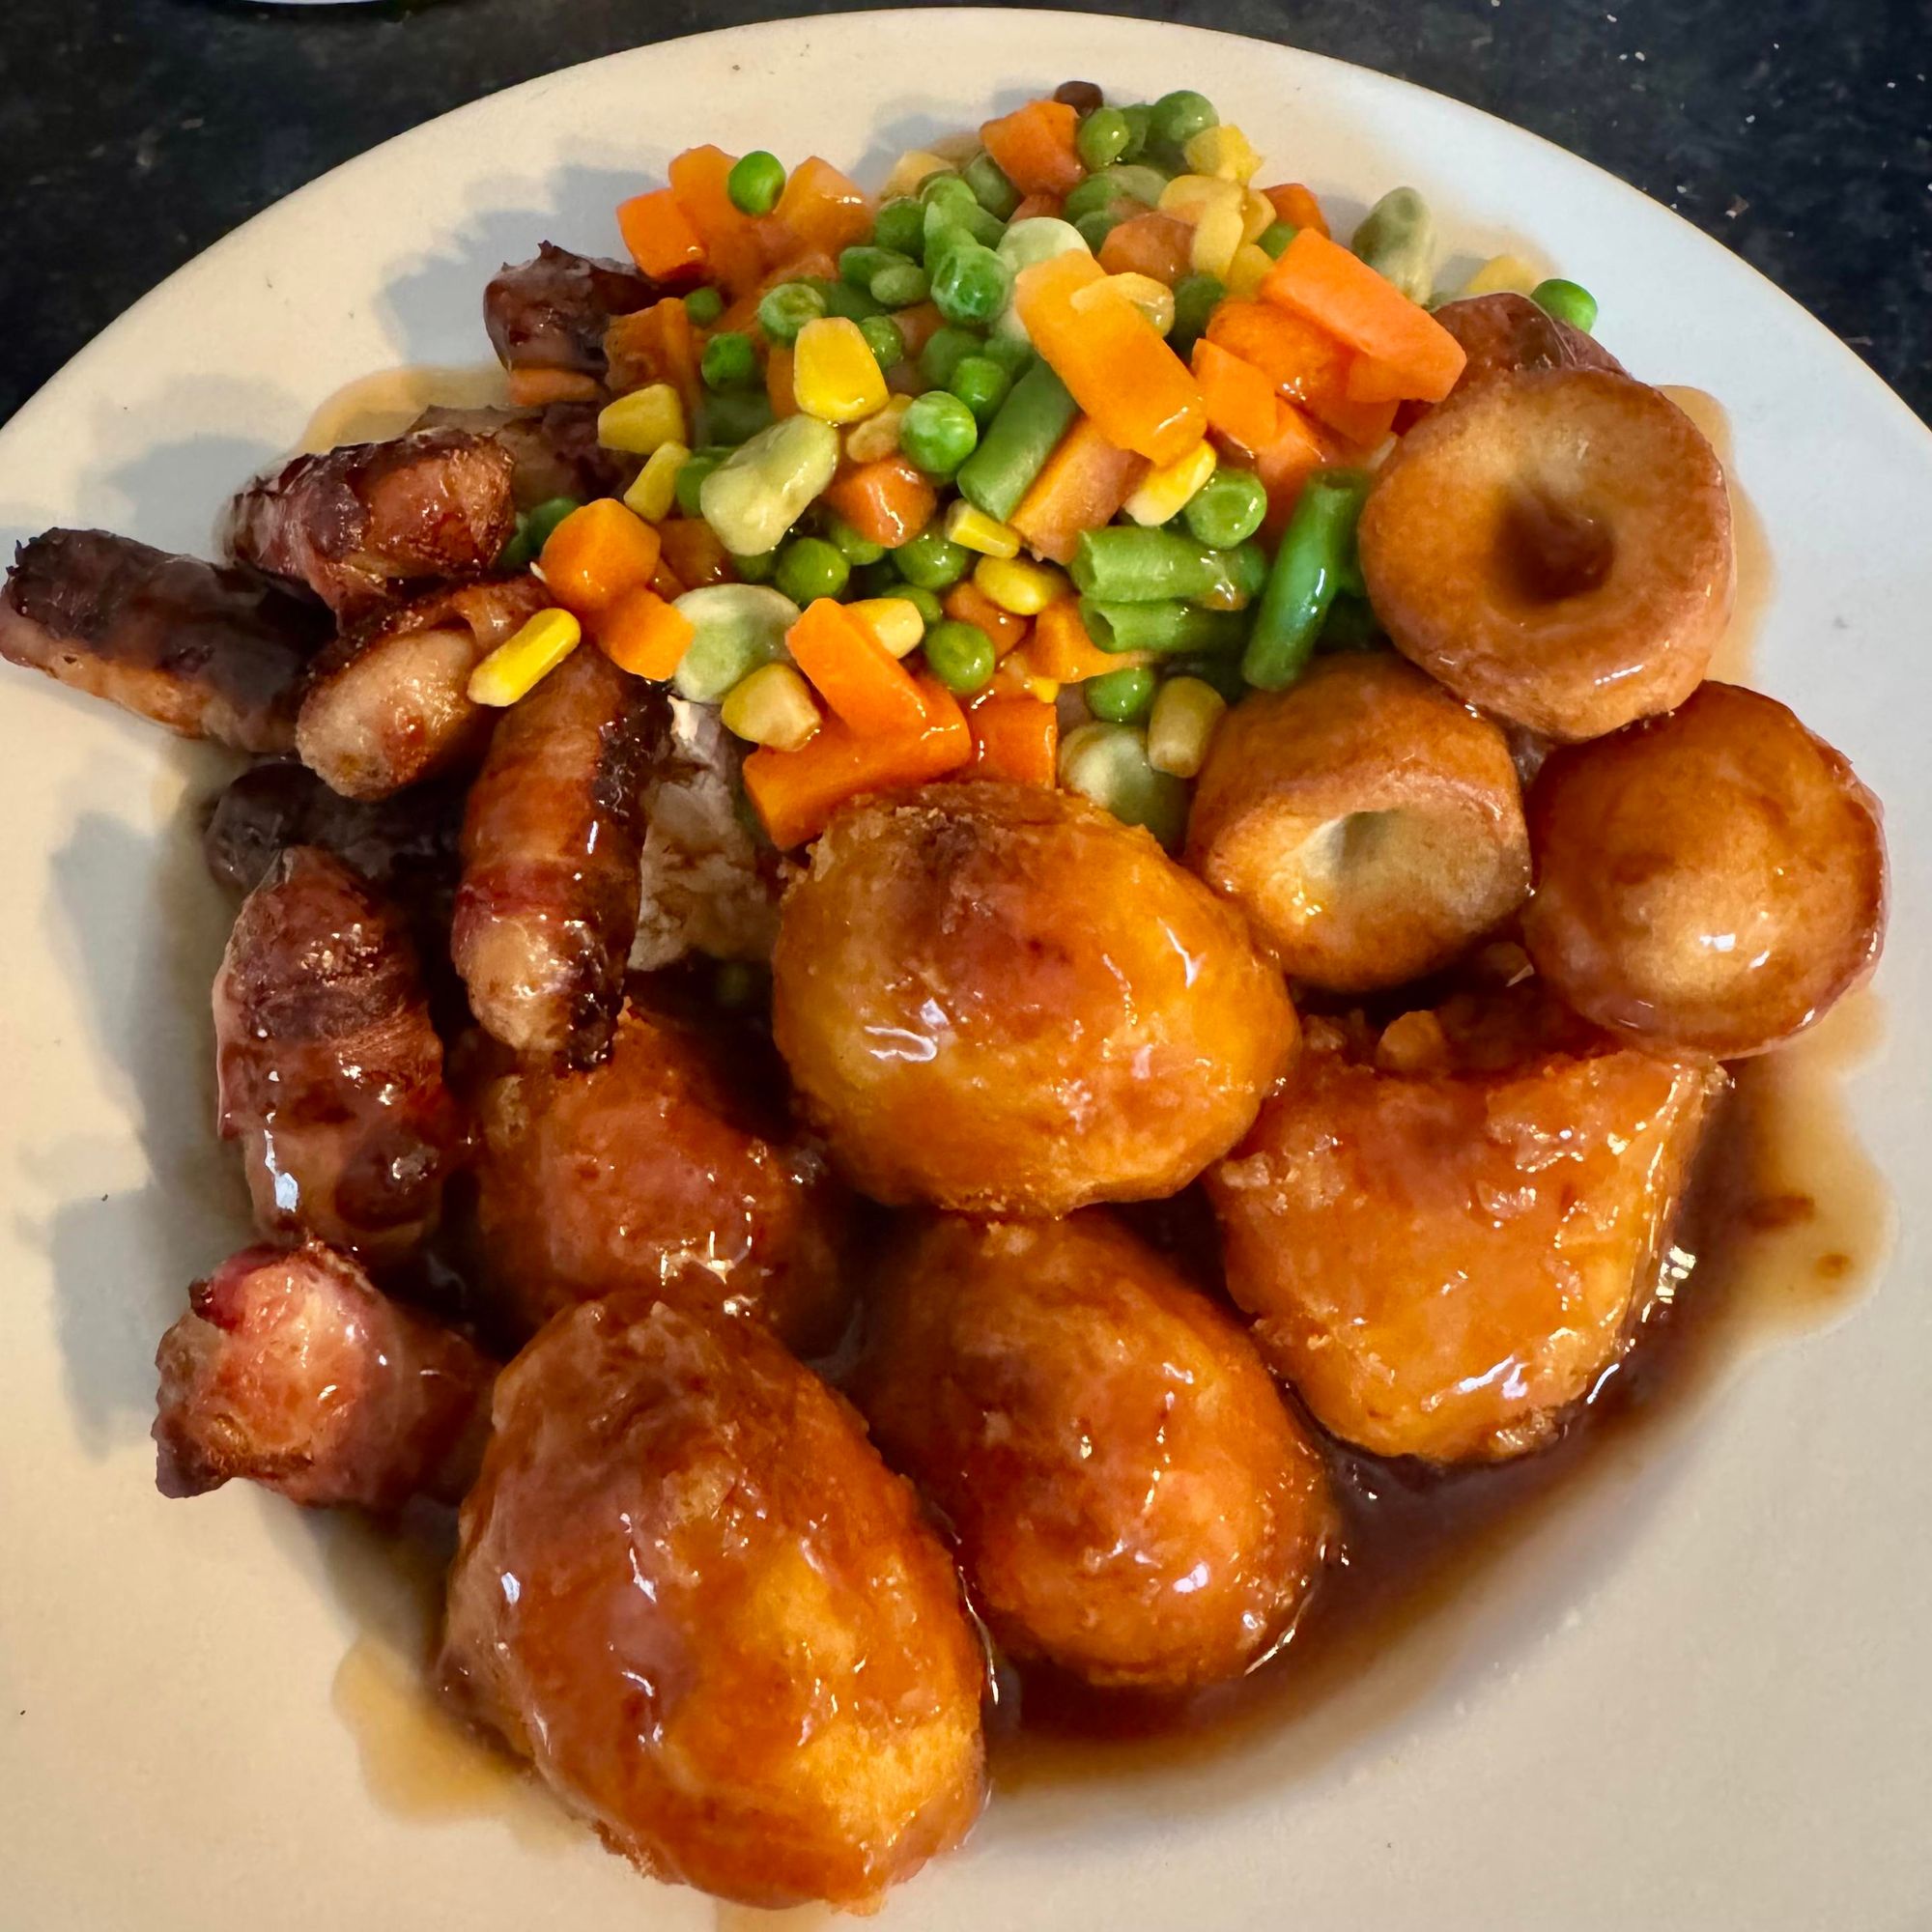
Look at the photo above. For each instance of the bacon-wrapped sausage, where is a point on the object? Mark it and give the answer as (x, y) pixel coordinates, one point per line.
(330, 1073)
(554, 450)
(209, 653)
(354, 524)
(547, 906)
(388, 704)
(551, 312)
(293, 1371)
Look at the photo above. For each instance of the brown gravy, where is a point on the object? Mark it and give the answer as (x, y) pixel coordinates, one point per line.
(385, 404)
(1731, 663)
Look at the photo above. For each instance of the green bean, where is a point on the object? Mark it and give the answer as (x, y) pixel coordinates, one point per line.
(1016, 444)
(932, 560)
(1222, 673)
(991, 188)
(1165, 627)
(946, 348)
(1122, 696)
(1274, 238)
(1124, 564)
(900, 226)
(756, 182)
(729, 361)
(982, 384)
(1397, 239)
(1307, 572)
(784, 310)
(705, 306)
(1102, 139)
(1227, 509)
(1012, 353)
(1567, 302)
(960, 655)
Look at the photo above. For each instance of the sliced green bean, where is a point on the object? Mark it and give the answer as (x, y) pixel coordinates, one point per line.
(1121, 564)
(1309, 568)
(1164, 627)
(1017, 442)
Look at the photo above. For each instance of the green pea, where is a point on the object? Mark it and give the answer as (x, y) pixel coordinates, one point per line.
(842, 298)
(784, 310)
(534, 530)
(1121, 697)
(899, 287)
(1397, 239)
(736, 415)
(972, 284)
(1180, 115)
(932, 560)
(1227, 509)
(858, 266)
(944, 352)
(960, 656)
(757, 569)
(945, 187)
(810, 567)
(883, 338)
(1096, 226)
(1195, 299)
(931, 610)
(756, 182)
(1275, 238)
(1567, 302)
(849, 544)
(1139, 116)
(698, 465)
(729, 361)
(1102, 139)
(874, 579)
(949, 225)
(1012, 354)
(982, 384)
(938, 432)
(705, 306)
(991, 188)
(901, 225)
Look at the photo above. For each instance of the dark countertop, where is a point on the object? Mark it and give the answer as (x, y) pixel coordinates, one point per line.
(1798, 132)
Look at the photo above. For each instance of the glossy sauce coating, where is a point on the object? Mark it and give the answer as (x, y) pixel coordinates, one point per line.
(1130, 1498)
(1504, 333)
(691, 1594)
(1001, 999)
(657, 1171)
(1368, 825)
(554, 450)
(1554, 546)
(1442, 1260)
(551, 312)
(1713, 880)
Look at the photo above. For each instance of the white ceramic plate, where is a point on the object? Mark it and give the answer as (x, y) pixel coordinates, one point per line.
(1699, 1696)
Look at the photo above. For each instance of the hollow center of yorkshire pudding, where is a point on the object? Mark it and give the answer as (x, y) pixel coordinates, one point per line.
(1549, 547)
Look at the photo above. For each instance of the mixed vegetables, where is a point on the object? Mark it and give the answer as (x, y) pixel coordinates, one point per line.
(1027, 468)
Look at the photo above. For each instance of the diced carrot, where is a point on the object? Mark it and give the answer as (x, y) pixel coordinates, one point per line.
(968, 603)
(778, 379)
(1016, 739)
(656, 345)
(856, 676)
(797, 792)
(887, 502)
(597, 553)
(1149, 245)
(660, 235)
(1304, 362)
(1080, 486)
(533, 388)
(743, 312)
(692, 548)
(1297, 205)
(667, 582)
(734, 255)
(1322, 281)
(643, 634)
(1060, 648)
(825, 211)
(1036, 147)
(1034, 206)
(1112, 357)
(1287, 461)
(1372, 381)
(1239, 400)
(917, 326)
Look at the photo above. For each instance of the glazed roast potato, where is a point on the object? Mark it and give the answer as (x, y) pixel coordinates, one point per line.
(1443, 1253)
(1556, 547)
(1367, 824)
(1001, 999)
(1130, 1498)
(657, 1171)
(1713, 880)
(688, 1591)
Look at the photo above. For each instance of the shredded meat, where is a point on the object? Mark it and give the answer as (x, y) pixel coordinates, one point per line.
(551, 312)
(209, 653)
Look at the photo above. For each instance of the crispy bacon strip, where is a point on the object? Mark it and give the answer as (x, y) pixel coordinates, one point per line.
(331, 1073)
(293, 1371)
(551, 312)
(389, 703)
(209, 653)
(547, 906)
(358, 523)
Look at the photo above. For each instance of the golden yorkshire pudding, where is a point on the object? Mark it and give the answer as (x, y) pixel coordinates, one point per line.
(1000, 999)
(1131, 1499)
(1556, 547)
(1367, 824)
(1503, 332)
(1442, 1249)
(1713, 879)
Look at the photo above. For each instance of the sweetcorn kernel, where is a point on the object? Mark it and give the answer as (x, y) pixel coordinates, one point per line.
(639, 423)
(522, 662)
(972, 529)
(1223, 152)
(1020, 586)
(655, 487)
(1166, 492)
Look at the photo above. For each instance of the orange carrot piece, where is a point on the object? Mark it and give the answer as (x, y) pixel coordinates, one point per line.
(532, 388)
(656, 345)
(778, 379)
(643, 634)
(1033, 206)
(1323, 282)
(733, 253)
(1060, 649)
(967, 603)
(1239, 400)
(1149, 245)
(796, 792)
(887, 502)
(1287, 461)
(1080, 486)
(1119, 370)
(866, 686)
(825, 210)
(1016, 739)
(667, 582)
(917, 326)
(1036, 147)
(1297, 205)
(1304, 362)
(691, 549)
(597, 553)
(659, 234)
(1372, 381)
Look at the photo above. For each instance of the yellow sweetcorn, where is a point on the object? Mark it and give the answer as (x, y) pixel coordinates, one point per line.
(1153, 298)
(972, 529)
(520, 663)
(894, 620)
(834, 373)
(911, 168)
(655, 489)
(772, 706)
(1217, 236)
(1188, 197)
(877, 437)
(1020, 586)
(1248, 270)
(1258, 214)
(1181, 725)
(640, 423)
(1223, 152)
(1502, 274)
(1165, 491)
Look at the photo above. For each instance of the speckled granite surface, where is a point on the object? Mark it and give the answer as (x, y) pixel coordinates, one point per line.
(1797, 131)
